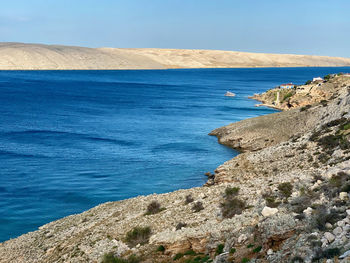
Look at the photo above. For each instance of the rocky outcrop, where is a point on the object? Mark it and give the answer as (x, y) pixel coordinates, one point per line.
(286, 190)
(313, 92)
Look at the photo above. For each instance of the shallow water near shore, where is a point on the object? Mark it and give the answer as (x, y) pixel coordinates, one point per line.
(70, 140)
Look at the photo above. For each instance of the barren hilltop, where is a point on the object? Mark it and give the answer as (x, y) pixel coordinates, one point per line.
(20, 56)
(285, 198)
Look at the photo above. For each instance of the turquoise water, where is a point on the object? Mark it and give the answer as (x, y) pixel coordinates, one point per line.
(70, 140)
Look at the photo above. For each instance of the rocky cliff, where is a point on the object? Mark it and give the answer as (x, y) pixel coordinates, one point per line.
(285, 198)
(20, 56)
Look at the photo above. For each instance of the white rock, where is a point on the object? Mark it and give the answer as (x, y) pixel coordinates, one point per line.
(346, 254)
(308, 211)
(268, 211)
(329, 236)
(348, 212)
(270, 252)
(328, 226)
(329, 261)
(242, 238)
(343, 196)
(341, 223)
(337, 231)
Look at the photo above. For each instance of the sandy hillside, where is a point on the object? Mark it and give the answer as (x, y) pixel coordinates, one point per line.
(36, 56)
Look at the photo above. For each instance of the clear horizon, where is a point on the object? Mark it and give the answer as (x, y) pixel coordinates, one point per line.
(298, 27)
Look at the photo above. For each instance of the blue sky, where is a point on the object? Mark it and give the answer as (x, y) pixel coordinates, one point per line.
(319, 27)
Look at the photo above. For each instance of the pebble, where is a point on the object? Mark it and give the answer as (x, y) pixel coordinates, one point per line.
(329, 236)
(337, 231)
(328, 226)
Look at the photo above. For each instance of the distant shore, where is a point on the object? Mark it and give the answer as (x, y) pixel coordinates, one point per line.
(21, 56)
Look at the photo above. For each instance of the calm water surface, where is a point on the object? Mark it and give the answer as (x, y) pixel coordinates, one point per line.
(70, 140)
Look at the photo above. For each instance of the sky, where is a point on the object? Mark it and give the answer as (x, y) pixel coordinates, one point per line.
(310, 27)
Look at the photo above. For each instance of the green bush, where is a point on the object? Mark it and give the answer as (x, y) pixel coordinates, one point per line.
(231, 191)
(285, 189)
(219, 249)
(110, 258)
(161, 248)
(232, 250)
(178, 256)
(257, 249)
(138, 235)
(308, 82)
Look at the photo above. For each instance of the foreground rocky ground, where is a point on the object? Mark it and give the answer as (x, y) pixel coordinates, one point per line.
(284, 199)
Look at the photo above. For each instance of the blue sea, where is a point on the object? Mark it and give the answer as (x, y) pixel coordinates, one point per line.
(70, 140)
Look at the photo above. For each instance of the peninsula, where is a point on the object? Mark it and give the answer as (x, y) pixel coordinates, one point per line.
(20, 56)
(285, 198)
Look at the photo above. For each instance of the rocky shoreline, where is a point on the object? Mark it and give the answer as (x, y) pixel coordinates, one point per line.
(285, 198)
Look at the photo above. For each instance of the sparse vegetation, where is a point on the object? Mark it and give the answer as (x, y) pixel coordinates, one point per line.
(219, 249)
(110, 258)
(231, 191)
(188, 199)
(232, 250)
(257, 249)
(154, 208)
(197, 206)
(285, 189)
(305, 108)
(161, 248)
(180, 225)
(138, 235)
(232, 206)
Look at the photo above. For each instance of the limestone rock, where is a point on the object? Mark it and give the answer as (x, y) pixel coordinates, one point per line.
(268, 211)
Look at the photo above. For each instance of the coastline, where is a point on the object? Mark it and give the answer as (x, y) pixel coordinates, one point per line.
(271, 154)
(57, 57)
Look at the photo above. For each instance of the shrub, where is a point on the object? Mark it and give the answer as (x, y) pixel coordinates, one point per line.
(271, 201)
(250, 245)
(232, 206)
(197, 206)
(190, 253)
(180, 225)
(287, 96)
(297, 259)
(154, 208)
(245, 260)
(305, 108)
(138, 235)
(161, 248)
(231, 191)
(189, 199)
(219, 249)
(321, 216)
(285, 189)
(328, 253)
(110, 258)
(308, 82)
(257, 249)
(232, 250)
(327, 77)
(178, 256)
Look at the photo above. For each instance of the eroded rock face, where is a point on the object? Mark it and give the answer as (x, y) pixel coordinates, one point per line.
(295, 177)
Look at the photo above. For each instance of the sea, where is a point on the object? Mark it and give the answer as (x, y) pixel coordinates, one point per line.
(70, 140)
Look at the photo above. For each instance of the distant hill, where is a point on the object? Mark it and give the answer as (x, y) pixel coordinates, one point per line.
(20, 56)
